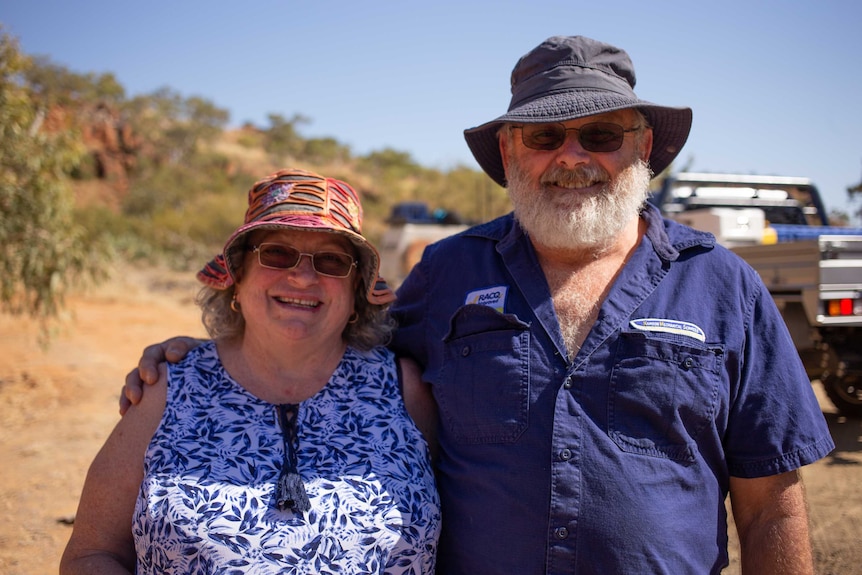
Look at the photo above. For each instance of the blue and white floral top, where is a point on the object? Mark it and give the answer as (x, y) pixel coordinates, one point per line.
(207, 499)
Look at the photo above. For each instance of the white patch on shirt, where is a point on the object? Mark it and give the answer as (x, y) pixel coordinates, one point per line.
(494, 297)
(669, 326)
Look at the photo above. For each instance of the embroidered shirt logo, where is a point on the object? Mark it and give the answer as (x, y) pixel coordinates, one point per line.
(669, 326)
(494, 297)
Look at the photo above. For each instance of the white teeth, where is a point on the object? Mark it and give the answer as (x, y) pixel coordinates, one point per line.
(575, 185)
(294, 301)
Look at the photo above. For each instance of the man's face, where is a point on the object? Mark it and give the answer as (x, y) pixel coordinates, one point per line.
(571, 198)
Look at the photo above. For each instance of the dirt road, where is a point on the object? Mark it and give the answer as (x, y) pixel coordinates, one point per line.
(58, 405)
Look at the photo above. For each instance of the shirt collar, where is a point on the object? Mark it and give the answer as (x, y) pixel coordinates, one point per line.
(670, 238)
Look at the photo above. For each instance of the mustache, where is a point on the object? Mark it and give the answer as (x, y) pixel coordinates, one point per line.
(578, 178)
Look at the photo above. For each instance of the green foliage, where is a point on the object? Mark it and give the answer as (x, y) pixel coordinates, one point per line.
(282, 138)
(839, 218)
(325, 151)
(185, 213)
(43, 250)
(52, 85)
(251, 138)
(389, 163)
(181, 196)
(853, 194)
(472, 195)
(173, 127)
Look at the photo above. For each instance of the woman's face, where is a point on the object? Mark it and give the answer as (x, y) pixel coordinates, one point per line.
(297, 303)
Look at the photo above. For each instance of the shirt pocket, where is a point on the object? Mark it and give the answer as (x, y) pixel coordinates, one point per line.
(483, 388)
(663, 393)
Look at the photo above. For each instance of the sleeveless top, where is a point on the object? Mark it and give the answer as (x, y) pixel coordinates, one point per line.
(207, 501)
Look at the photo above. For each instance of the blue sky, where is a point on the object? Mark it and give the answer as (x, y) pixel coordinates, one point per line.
(776, 86)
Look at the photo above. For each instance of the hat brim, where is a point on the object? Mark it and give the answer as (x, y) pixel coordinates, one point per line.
(369, 258)
(671, 126)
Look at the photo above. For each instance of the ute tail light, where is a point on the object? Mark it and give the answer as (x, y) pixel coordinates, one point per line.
(843, 307)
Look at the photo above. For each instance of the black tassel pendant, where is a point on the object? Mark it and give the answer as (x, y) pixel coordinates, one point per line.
(290, 491)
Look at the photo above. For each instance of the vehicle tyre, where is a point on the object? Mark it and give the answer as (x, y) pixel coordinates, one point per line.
(845, 393)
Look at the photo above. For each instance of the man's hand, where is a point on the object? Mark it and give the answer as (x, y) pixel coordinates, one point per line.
(147, 372)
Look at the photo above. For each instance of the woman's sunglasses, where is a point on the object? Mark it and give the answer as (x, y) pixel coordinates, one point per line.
(285, 257)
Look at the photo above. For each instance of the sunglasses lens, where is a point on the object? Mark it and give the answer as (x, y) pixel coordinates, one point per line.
(333, 264)
(601, 137)
(543, 136)
(278, 256)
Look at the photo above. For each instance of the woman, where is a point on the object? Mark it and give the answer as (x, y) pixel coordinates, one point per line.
(283, 445)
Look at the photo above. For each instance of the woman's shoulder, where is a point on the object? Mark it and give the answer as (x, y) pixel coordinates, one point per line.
(375, 355)
(201, 371)
(362, 372)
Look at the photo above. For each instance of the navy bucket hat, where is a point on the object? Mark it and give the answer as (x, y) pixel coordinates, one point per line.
(569, 77)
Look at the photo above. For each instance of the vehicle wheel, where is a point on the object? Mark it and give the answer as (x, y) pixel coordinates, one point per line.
(845, 393)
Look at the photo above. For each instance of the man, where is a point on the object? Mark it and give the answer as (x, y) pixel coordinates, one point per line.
(604, 377)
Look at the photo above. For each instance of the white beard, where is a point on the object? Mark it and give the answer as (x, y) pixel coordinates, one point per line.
(574, 220)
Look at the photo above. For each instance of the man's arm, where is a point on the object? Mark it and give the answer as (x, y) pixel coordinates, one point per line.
(147, 372)
(419, 402)
(771, 518)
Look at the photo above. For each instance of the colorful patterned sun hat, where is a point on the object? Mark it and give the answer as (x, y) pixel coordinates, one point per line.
(305, 201)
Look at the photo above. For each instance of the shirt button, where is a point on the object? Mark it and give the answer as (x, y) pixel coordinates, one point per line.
(561, 532)
(688, 363)
(565, 455)
(465, 351)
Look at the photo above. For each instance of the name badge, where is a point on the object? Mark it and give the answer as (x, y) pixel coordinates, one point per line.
(494, 297)
(669, 326)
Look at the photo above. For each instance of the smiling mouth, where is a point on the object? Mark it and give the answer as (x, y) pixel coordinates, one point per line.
(576, 179)
(575, 183)
(307, 303)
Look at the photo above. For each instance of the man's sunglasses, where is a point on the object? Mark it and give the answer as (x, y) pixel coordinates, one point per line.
(595, 137)
(285, 257)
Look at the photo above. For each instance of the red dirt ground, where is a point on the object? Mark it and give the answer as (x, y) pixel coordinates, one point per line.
(57, 406)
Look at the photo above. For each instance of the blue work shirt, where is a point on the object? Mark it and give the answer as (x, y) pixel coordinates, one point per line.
(619, 460)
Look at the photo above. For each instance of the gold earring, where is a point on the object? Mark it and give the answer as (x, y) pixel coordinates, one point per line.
(354, 317)
(234, 305)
